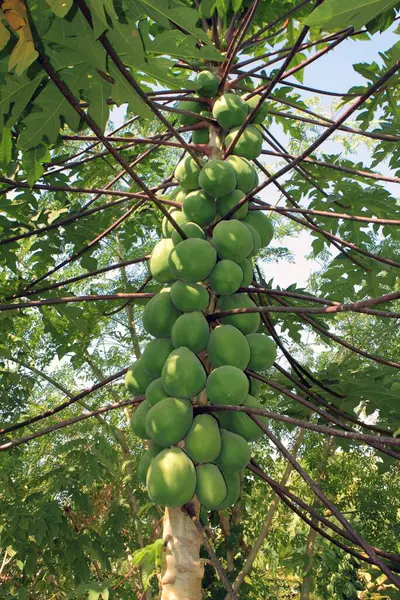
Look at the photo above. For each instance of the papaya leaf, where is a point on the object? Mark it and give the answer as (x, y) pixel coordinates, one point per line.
(60, 7)
(333, 14)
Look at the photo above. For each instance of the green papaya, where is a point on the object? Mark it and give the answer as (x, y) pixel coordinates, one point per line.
(192, 260)
(227, 385)
(232, 240)
(249, 144)
(168, 421)
(247, 323)
(235, 453)
(262, 351)
(211, 488)
(188, 297)
(230, 111)
(171, 478)
(183, 374)
(203, 441)
(217, 178)
(228, 346)
(191, 330)
(160, 314)
(226, 277)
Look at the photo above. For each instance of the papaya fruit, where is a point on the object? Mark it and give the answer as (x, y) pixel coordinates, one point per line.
(211, 488)
(167, 228)
(227, 202)
(177, 195)
(201, 136)
(226, 277)
(191, 330)
(160, 314)
(230, 111)
(137, 378)
(199, 208)
(191, 106)
(138, 420)
(155, 355)
(207, 84)
(249, 144)
(187, 297)
(235, 453)
(187, 174)
(228, 346)
(262, 351)
(168, 421)
(256, 238)
(217, 178)
(171, 478)
(203, 441)
(227, 385)
(155, 392)
(255, 386)
(246, 323)
(262, 111)
(232, 483)
(262, 224)
(145, 461)
(247, 269)
(158, 264)
(243, 424)
(232, 240)
(192, 260)
(246, 175)
(191, 230)
(183, 374)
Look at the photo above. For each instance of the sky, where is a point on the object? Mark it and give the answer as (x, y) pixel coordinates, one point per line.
(334, 72)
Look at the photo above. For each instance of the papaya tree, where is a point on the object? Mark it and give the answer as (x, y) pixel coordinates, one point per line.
(135, 267)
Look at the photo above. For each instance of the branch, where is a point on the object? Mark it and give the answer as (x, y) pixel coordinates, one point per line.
(284, 493)
(53, 286)
(369, 550)
(325, 213)
(314, 408)
(350, 435)
(321, 163)
(60, 407)
(342, 342)
(328, 310)
(83, 213)
(72, 299)
(68, 422)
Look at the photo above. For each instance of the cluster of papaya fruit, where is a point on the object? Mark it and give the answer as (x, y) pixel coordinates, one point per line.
(192, 360)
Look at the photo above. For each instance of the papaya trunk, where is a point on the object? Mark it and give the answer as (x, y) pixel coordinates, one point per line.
(182, 571)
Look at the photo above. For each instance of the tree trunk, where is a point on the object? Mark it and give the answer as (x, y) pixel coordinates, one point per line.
(182, 569)
(305, 587)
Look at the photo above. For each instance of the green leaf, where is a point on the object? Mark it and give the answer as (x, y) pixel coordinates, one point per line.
(32, 160)
(207, 8)
(50, 107)
(101, 10)
(122, 92)
(15, 94)
(236, 5)
(5, 148)
(60, 7)
(333, 14)
(4, 34)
